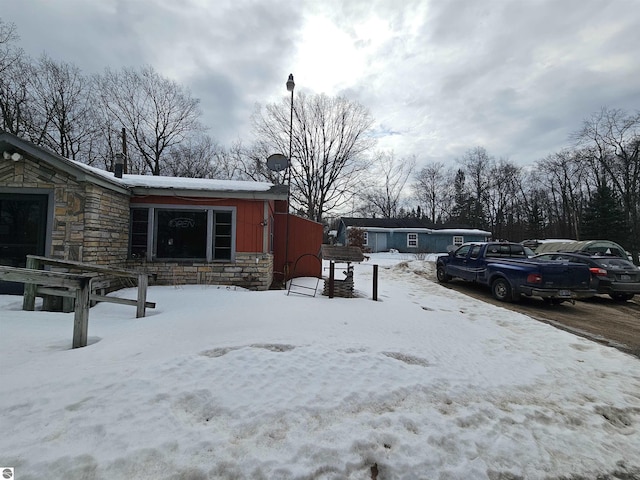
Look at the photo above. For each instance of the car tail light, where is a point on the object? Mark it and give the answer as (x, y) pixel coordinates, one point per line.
(534, 278)
(598, 272)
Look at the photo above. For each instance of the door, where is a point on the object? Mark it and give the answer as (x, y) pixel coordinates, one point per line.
(23, 229)
(458, 261)
(380, 242)
(472, 266)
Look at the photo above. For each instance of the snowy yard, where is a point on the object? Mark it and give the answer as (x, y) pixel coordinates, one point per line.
(219, 383)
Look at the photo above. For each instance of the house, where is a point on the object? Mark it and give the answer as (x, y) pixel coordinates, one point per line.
(181, 230)
(408, 235)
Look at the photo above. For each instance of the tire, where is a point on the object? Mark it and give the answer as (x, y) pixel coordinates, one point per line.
(501, 290)
(621, 297)
(441, 273)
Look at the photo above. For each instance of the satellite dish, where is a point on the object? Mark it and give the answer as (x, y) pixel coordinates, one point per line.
(277, 162)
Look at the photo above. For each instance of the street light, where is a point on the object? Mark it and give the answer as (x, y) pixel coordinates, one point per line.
(290, 86)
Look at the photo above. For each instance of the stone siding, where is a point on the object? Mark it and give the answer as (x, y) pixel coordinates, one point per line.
(106, 233)
(250, 270)
(90, 224)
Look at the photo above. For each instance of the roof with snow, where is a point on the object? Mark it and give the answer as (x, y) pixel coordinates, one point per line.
(144, 184)
(410, 224)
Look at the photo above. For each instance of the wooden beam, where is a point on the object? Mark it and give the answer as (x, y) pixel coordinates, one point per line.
(116, 272)
(81, 316)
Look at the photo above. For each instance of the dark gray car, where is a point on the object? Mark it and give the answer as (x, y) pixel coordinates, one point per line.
(615, 276)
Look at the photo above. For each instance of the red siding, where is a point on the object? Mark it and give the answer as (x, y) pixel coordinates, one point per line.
(305, 237)
(249, 216)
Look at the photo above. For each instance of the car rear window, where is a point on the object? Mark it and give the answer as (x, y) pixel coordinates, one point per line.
(613, 262)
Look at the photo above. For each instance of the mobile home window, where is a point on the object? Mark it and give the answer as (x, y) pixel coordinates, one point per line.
(458, 240)
(412, 240)
(166, 233)
(365, 238)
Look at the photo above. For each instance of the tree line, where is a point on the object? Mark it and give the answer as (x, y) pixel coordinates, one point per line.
(590, 190)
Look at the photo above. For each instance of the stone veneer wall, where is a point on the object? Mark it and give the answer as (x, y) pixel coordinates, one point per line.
(90, 224)
(106, 231)
(250, 270)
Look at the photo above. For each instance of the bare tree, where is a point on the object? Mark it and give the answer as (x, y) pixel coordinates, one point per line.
(389, 176)
(63, 109)
(195, 158)
(432, 190)
(330, 138)
(503, 197)
(566, 178)
(477, 166)
(14, 76)
(613, 136)
(156, 112)
(9, 52)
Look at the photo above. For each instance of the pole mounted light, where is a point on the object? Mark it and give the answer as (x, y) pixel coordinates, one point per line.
(290, 86)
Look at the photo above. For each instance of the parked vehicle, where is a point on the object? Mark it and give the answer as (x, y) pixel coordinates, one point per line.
(612, 275)
(594, 247)
(507, 270)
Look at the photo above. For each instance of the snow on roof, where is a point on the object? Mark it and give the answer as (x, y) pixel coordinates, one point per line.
(141, 181)
(181, 183)
(462, 231)
(447, 231)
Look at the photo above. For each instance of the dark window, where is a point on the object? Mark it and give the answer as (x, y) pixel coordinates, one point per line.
(139, 232)
(173, 233)
(463, 251)
(222, 230)
(181, 234)
(23, 221)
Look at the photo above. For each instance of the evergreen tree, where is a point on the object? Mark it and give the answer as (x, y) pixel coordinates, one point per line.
(462, 203)
(604, 217)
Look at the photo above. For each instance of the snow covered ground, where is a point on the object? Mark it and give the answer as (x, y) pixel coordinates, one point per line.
(224, 383)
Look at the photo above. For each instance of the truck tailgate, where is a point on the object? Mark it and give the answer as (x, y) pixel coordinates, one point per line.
(565, 275)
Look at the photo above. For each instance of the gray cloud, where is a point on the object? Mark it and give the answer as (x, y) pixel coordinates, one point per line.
(517, 77)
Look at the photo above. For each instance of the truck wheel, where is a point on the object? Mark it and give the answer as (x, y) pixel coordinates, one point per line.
(501, 290)
(621, 297)
(442, 274)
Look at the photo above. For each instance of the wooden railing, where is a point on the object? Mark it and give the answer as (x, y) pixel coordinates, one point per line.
(78, 284)
(35, 262)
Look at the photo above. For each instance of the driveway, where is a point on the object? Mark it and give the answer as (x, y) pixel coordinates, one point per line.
(599, 318)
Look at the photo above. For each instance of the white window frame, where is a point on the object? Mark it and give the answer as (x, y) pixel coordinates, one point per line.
(412, 240)
(365, 238)
(458, 240)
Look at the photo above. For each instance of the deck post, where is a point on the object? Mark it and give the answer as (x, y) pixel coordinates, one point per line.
(375, 283)
(143, 282)
(332, 278)
(29, 296)
(81, 317)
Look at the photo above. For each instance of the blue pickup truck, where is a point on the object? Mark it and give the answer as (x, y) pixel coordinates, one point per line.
(507, 270)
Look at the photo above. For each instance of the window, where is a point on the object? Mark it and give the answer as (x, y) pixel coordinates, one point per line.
(365, 238)
(412, 240)
(475, 251)
(181, 234)
(458, 240)
(174, 233)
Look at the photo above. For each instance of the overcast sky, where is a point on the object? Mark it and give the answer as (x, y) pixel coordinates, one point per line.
(439, 76)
